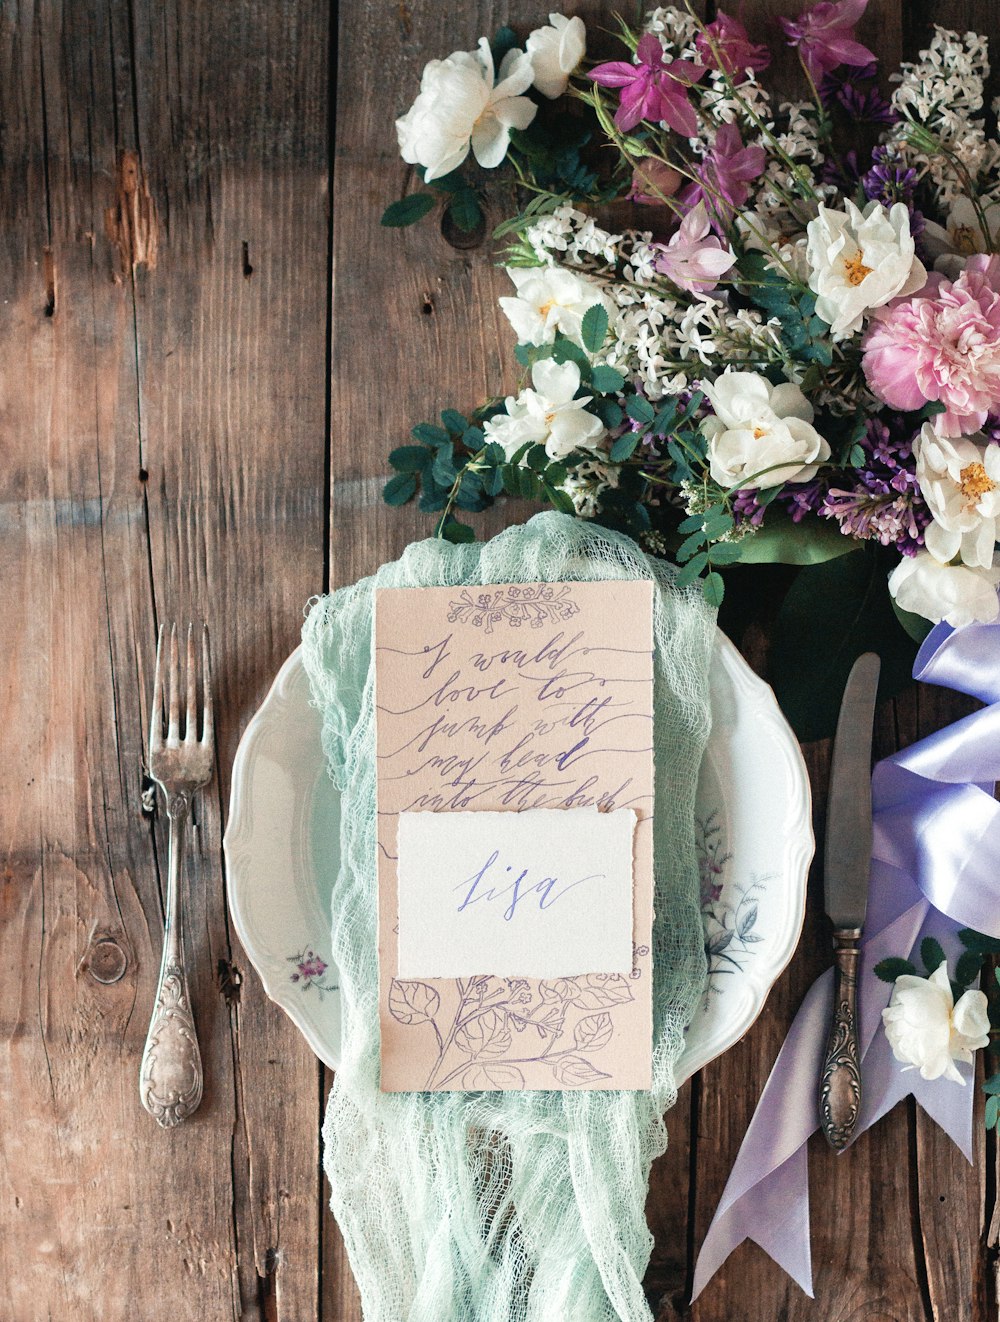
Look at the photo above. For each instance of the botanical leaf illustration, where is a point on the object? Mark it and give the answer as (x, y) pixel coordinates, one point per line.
(747, 919)
(593, 1032)
(576, 1072)
(492, 1076)
(486, 1034)
(413, 1002)
(598, 991)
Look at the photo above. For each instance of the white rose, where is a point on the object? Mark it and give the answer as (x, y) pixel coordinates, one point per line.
(760, 427)
(960, 482)
(957, 594)
(950, 244)
(550, 299)
(555, 52)
(928, 1031)
(459, 106)
(548, 414)
(859, 261)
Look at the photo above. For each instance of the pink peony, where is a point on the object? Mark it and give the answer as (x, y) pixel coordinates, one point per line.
(734, 52)
(694, 259)
(653, 88)
(942, 344)
(824, 36)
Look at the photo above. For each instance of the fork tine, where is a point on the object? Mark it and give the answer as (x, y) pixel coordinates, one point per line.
(156, 714)
(174, 687)
(191, 715)
(208, 732)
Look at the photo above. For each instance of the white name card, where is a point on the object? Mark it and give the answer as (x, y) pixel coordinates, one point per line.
(544, 893)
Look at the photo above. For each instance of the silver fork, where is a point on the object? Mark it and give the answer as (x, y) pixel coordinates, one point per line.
(170, 1079)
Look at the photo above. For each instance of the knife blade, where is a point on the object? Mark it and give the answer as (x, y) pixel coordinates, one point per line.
(847, 860)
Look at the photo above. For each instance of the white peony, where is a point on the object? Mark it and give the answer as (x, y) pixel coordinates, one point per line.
(859, 261)
(549, 414)
(960, 482)
(459, 106)
(555, 52)
(760, 427)
(957, 594)
(950, 244)
(550, 299)
(928, 1031)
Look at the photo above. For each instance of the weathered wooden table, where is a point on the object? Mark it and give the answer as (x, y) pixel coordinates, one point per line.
(207, 348)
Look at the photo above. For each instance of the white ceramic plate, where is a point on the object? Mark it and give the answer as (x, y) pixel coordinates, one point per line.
(754, 838)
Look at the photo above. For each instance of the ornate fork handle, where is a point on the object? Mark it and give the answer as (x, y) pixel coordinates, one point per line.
(170, 1080)
(840, 1084)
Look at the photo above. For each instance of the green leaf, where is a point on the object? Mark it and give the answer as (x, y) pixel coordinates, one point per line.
(465, 211)
(726, 553)
(537, 458)
(915, 625)
(639, 409)
(504, 40)
(429, 434)
(594, 327)
(932, 953)
(399, 489)
(891, 969)
(453, 531)
(623, 447)
(992, 1112)
(454, 421)
(832, 613)
(443, 468)
(991, 1086)
(692, 569)
(689, 545)
(968, 968)
(973, 940)
(410, 458)
(493, 481)
(717, 525)
(780, 541)
(714, 589)
(607, 380)
(561, 500)
(408, 210)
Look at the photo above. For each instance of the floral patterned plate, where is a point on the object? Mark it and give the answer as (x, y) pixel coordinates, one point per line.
(754, 837)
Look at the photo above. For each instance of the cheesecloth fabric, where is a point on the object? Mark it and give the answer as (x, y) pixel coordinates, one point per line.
(504, 1206)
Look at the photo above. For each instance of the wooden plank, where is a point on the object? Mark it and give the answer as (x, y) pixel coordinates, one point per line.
(219, 1218)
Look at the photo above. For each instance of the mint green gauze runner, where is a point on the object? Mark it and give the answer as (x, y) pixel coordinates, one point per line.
(504, 1206)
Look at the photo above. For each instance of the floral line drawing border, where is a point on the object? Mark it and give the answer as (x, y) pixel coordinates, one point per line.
(515, 605)
(310, 970)
(492, 1031)
(730, 913)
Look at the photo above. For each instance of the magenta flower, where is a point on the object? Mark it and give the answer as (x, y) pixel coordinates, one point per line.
(734, 52)
(942, 344)
(653, 88)
(824, 36)
(694, 259)
(724, 177)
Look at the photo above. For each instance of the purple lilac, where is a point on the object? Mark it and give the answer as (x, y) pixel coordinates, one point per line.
(856, 91)
(797, 500)
(883, 502)
(889, 181)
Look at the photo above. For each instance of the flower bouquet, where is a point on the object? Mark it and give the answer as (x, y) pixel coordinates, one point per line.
(790, 355)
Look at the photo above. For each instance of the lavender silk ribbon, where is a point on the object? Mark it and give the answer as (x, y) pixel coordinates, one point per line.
(934, 869)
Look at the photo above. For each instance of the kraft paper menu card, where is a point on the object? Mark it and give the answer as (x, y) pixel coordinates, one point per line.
(515, 799)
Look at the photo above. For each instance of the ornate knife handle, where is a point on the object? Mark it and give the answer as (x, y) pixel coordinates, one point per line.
(170, 1079)
(840, 1084)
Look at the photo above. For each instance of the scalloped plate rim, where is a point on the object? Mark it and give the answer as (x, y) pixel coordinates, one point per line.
(272, 966)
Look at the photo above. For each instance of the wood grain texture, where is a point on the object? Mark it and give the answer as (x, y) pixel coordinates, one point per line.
(193, 424)
(165, 427)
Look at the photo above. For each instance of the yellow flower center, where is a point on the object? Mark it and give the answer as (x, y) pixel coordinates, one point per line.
(758, 432)
(546, 308)
(549, 419)
(975, 482)
(855, 269)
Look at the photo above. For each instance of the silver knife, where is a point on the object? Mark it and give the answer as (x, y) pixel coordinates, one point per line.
(846, 865)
